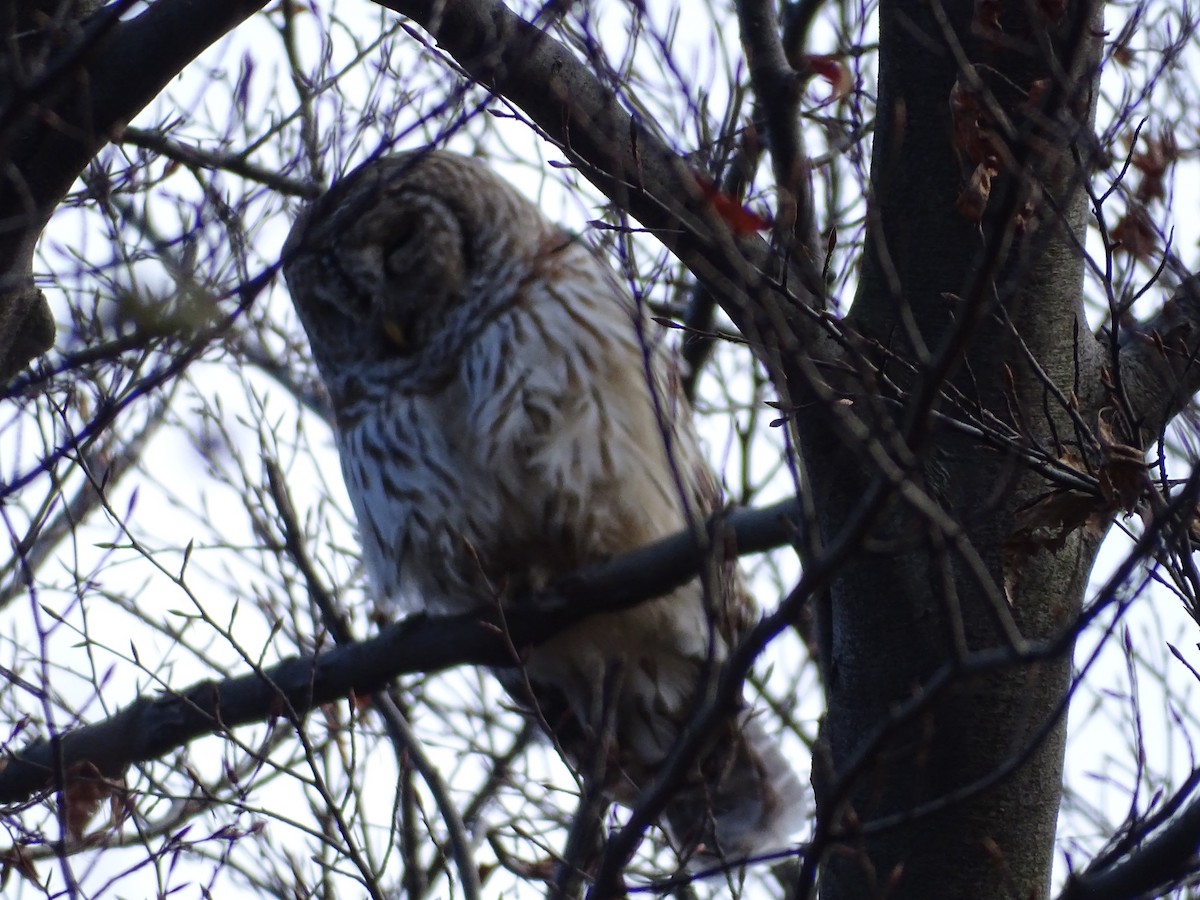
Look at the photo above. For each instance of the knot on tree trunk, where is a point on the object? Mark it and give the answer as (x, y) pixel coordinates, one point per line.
(26, 328)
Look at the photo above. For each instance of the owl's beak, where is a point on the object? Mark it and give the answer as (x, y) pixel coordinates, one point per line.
(395, 333)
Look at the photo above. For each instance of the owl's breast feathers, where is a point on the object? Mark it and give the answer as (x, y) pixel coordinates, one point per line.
(541, 451)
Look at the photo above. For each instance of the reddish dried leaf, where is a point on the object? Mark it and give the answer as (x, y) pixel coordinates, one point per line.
(1045, 524)
(974, 135)
(1151, 187)
(1037, 91)
(993, 850)
(987, 17)
(736, 216)
(1123, 483)
(1154, 163)
(1071, 459)
(1025, 215)
(850, 820)
(834, 71)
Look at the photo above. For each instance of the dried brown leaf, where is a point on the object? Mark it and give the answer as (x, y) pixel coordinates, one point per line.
(834, 71)
(1035, 95)
(976, 134)
(18, 860)
(973, 199)
(1048, 520)
(86, 789)
(1074, 461)
(1154, 163)
(1043, 524)
(1122, 470)
(1046, 523)
(1135, 233)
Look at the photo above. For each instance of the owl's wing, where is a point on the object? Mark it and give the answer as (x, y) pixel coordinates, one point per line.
(587, 424)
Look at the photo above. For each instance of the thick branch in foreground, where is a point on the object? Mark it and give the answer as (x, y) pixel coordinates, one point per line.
(53, 124)
(153, 726)
(632, 166)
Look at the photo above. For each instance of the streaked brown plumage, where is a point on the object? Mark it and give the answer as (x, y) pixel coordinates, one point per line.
(504, 416)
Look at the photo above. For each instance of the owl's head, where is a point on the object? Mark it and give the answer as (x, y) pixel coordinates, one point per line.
(406, 255)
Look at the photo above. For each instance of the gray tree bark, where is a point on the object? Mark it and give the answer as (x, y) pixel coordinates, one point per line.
(961, 799)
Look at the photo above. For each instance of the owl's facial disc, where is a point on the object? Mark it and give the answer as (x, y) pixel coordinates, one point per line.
(411, 263)
(381, 265)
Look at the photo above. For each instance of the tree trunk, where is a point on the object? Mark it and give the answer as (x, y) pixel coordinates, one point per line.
(961, 797)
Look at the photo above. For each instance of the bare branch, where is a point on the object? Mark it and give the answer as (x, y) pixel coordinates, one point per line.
(121, 67)
(387, 706)
(778, 88)
(1163, 860)
(236, 163)
(153, 726)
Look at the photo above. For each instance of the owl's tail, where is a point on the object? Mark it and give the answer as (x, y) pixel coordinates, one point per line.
(746, 801)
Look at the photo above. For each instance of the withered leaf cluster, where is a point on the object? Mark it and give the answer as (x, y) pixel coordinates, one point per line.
(1045, 523)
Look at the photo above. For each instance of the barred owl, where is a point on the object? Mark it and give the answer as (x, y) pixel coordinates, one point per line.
(503, 417)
